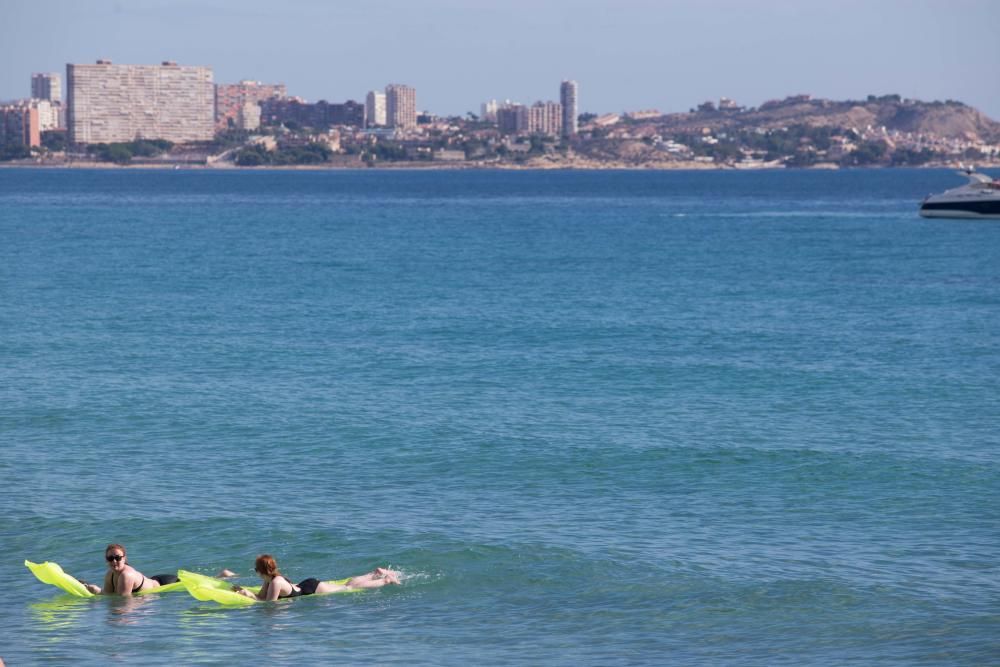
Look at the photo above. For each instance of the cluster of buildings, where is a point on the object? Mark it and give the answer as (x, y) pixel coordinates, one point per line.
(913, 141)
(238, 105)
(546, 118)
(104, 103)
(22, 122)
(110, 103)
(395, 108)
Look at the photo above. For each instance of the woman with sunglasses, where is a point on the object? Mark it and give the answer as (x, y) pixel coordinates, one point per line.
(276, 585)
(123, 579)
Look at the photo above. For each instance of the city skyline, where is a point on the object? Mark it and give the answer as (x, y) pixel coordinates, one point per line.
(628, 55)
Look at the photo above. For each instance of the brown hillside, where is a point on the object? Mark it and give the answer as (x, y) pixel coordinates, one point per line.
(952, 120)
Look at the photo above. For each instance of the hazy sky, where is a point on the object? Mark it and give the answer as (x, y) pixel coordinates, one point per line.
(626, 54)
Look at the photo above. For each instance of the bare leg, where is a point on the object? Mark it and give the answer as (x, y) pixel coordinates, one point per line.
(326, 587)
(377, 578)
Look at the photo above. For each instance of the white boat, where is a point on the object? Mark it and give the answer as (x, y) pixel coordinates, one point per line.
(979, 198)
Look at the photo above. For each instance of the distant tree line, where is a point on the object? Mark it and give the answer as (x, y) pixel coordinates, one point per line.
(13, 152)
(259, 156)
(122, 153)
(230, 138)
(54, 140)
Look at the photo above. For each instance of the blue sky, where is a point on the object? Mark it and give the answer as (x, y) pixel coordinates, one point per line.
(626, 54)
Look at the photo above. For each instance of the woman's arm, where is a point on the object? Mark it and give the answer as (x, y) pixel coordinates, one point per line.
(108, 588)
(259, 595)
(244, 592)
(273, 590)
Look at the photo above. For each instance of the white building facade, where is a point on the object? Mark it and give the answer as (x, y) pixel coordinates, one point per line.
(488, 111)
(48, 114)
(375, 115)
(120, 103)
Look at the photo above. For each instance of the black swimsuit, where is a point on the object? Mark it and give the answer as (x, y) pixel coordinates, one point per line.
(114, 584)
(161, 579)
(306, 587)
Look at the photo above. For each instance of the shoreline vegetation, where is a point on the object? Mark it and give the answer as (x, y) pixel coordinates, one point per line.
(797, 132)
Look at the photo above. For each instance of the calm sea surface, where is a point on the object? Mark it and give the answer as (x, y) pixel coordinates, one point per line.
(595, 418)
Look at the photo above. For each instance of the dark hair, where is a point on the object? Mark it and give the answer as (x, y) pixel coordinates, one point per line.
(265, 564)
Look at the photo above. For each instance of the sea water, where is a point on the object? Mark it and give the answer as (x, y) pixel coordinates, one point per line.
(595, 418)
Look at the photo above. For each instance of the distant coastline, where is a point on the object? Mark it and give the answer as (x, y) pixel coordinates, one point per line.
(797, 132)
(540, 165)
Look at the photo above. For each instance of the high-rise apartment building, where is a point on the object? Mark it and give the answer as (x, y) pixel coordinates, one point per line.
(511, 118)
(231, 100)
(46, 86)
(545, 118)
(48, 114)
(400, 106)
(117, 103)
(539, 118)
(375, 109)
(46, 96)
(568, 99)
(488, 111)
(248, 117)
(19, 125)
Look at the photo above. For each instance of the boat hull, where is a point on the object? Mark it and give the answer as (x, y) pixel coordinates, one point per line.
(978, 210)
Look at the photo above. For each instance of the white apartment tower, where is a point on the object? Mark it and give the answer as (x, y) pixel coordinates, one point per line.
(375, 109)
(118, 103)
(49, 115)
(46, 86)
(568, 97)
(488, 111)
(400, 106)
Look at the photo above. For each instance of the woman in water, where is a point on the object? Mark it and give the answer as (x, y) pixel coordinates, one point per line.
(123, 579)
(276, 585)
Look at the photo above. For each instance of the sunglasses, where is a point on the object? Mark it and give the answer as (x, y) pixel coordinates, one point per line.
(116, 558)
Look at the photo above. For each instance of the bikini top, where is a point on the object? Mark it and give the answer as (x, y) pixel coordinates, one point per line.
(134, 590)
(293, 594)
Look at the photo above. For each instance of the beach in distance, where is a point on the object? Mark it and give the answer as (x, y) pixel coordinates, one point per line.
(592, 417)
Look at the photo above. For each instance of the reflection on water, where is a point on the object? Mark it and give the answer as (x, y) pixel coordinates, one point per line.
(208, 630)
(209, 610)
(59, 614)
(57, 625)
(128, 610)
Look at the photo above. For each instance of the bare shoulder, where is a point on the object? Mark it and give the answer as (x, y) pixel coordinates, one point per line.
(131, 578)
